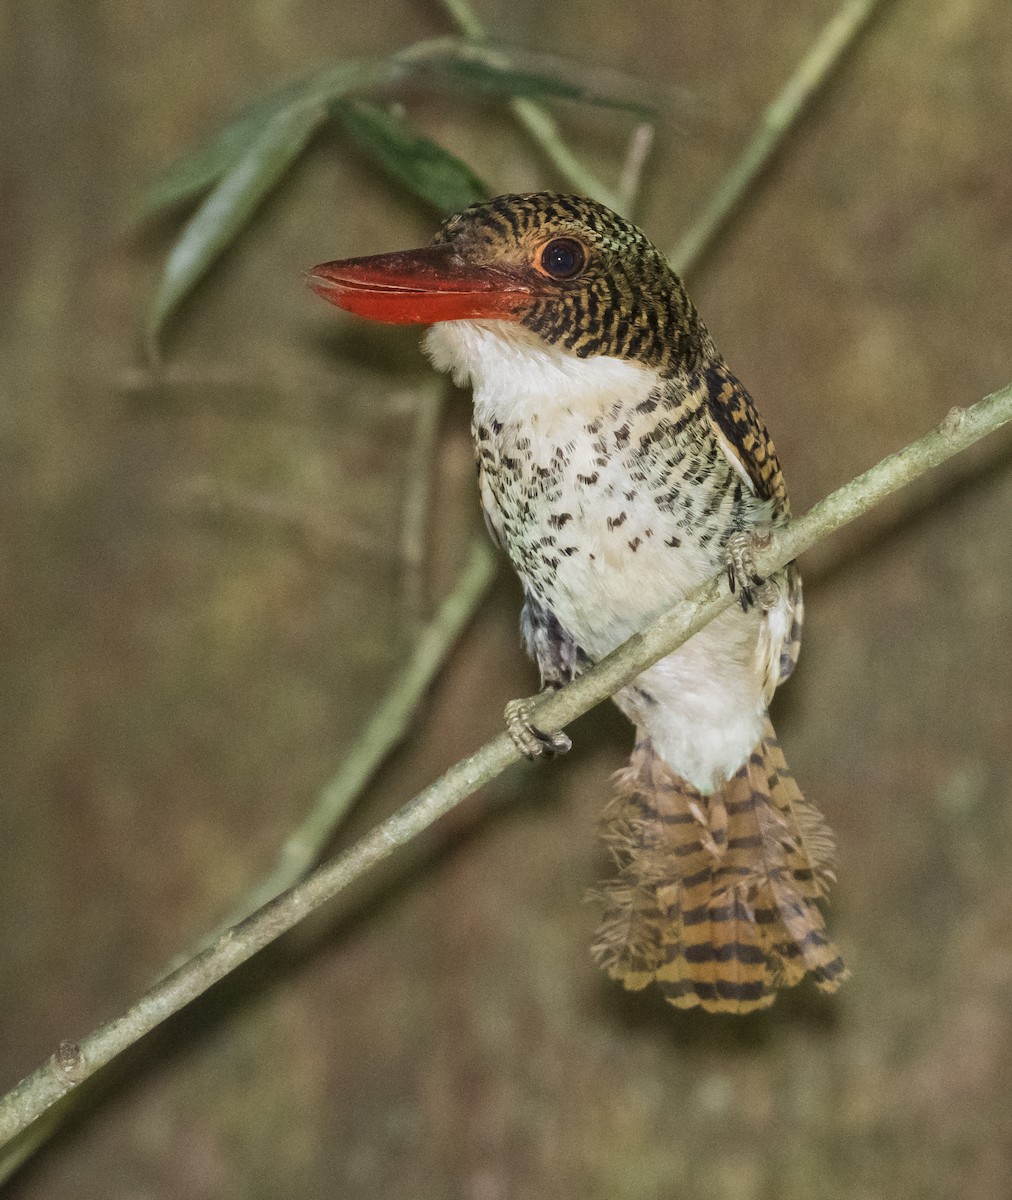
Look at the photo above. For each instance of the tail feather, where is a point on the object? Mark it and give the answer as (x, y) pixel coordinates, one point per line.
(716, 897)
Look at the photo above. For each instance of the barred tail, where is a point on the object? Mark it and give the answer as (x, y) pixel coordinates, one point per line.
(716, 897)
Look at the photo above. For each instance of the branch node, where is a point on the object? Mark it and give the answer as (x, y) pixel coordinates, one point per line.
(69, 1062)
(953, 421)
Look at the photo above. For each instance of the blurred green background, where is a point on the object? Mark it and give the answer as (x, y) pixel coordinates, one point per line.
(204, 591)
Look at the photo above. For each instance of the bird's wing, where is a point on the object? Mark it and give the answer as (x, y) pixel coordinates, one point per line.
(744, 438)
(747, 445)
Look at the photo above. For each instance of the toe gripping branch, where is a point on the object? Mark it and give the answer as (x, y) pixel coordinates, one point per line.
(531, 741)
(742, 577)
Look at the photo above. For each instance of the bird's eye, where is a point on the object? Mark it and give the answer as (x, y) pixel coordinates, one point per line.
(563, 258)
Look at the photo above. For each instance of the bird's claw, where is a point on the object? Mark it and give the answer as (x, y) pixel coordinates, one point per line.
(531, 741)
(742, 577)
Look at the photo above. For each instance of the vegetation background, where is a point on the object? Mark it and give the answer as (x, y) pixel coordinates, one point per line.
(205, 589)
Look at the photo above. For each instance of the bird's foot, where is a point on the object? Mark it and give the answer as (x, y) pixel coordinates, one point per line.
(742, 577)
(531, 741)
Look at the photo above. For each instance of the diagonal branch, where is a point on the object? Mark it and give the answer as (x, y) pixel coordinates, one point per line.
(780, 117)
(385, 729)
(74, 1062)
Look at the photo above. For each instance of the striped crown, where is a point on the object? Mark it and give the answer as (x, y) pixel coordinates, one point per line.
(625, 302)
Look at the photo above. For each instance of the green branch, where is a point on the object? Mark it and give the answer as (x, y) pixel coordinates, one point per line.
(386, 729)
(779, 118)
(75, 1062)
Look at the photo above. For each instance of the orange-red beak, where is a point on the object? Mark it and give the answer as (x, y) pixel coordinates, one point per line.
(420, 287)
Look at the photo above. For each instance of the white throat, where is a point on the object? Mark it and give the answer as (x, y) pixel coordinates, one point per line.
(515, 373)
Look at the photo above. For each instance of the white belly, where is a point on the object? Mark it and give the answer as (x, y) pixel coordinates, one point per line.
(609, 570)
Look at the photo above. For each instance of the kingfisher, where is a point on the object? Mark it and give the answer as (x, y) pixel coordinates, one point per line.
(620, 464)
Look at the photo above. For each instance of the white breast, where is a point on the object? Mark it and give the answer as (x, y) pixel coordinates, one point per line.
(515, 374)
(544, 398)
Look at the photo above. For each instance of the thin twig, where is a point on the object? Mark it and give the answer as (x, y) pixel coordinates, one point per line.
(465, 19)
(77, 1061)
(385, 729)
(539, 124)
(421, 460)
(640, 145)
(811, 74)
(544, 129)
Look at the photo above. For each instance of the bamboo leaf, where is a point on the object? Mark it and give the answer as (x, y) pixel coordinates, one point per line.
(213, 159)
(424, 167)
(227, 209)
(497, 73)
(203, 167)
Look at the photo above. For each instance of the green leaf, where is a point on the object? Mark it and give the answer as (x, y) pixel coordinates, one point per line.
(211, 161)
(228, 208)
(202, 168)
(493, 72)
(424, 167)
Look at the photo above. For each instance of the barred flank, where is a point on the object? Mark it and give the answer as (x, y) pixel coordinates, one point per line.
(716, 897)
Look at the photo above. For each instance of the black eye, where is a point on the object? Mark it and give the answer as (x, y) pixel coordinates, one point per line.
(563, 258)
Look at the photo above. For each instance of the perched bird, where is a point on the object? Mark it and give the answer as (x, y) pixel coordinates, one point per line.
(620, 463)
